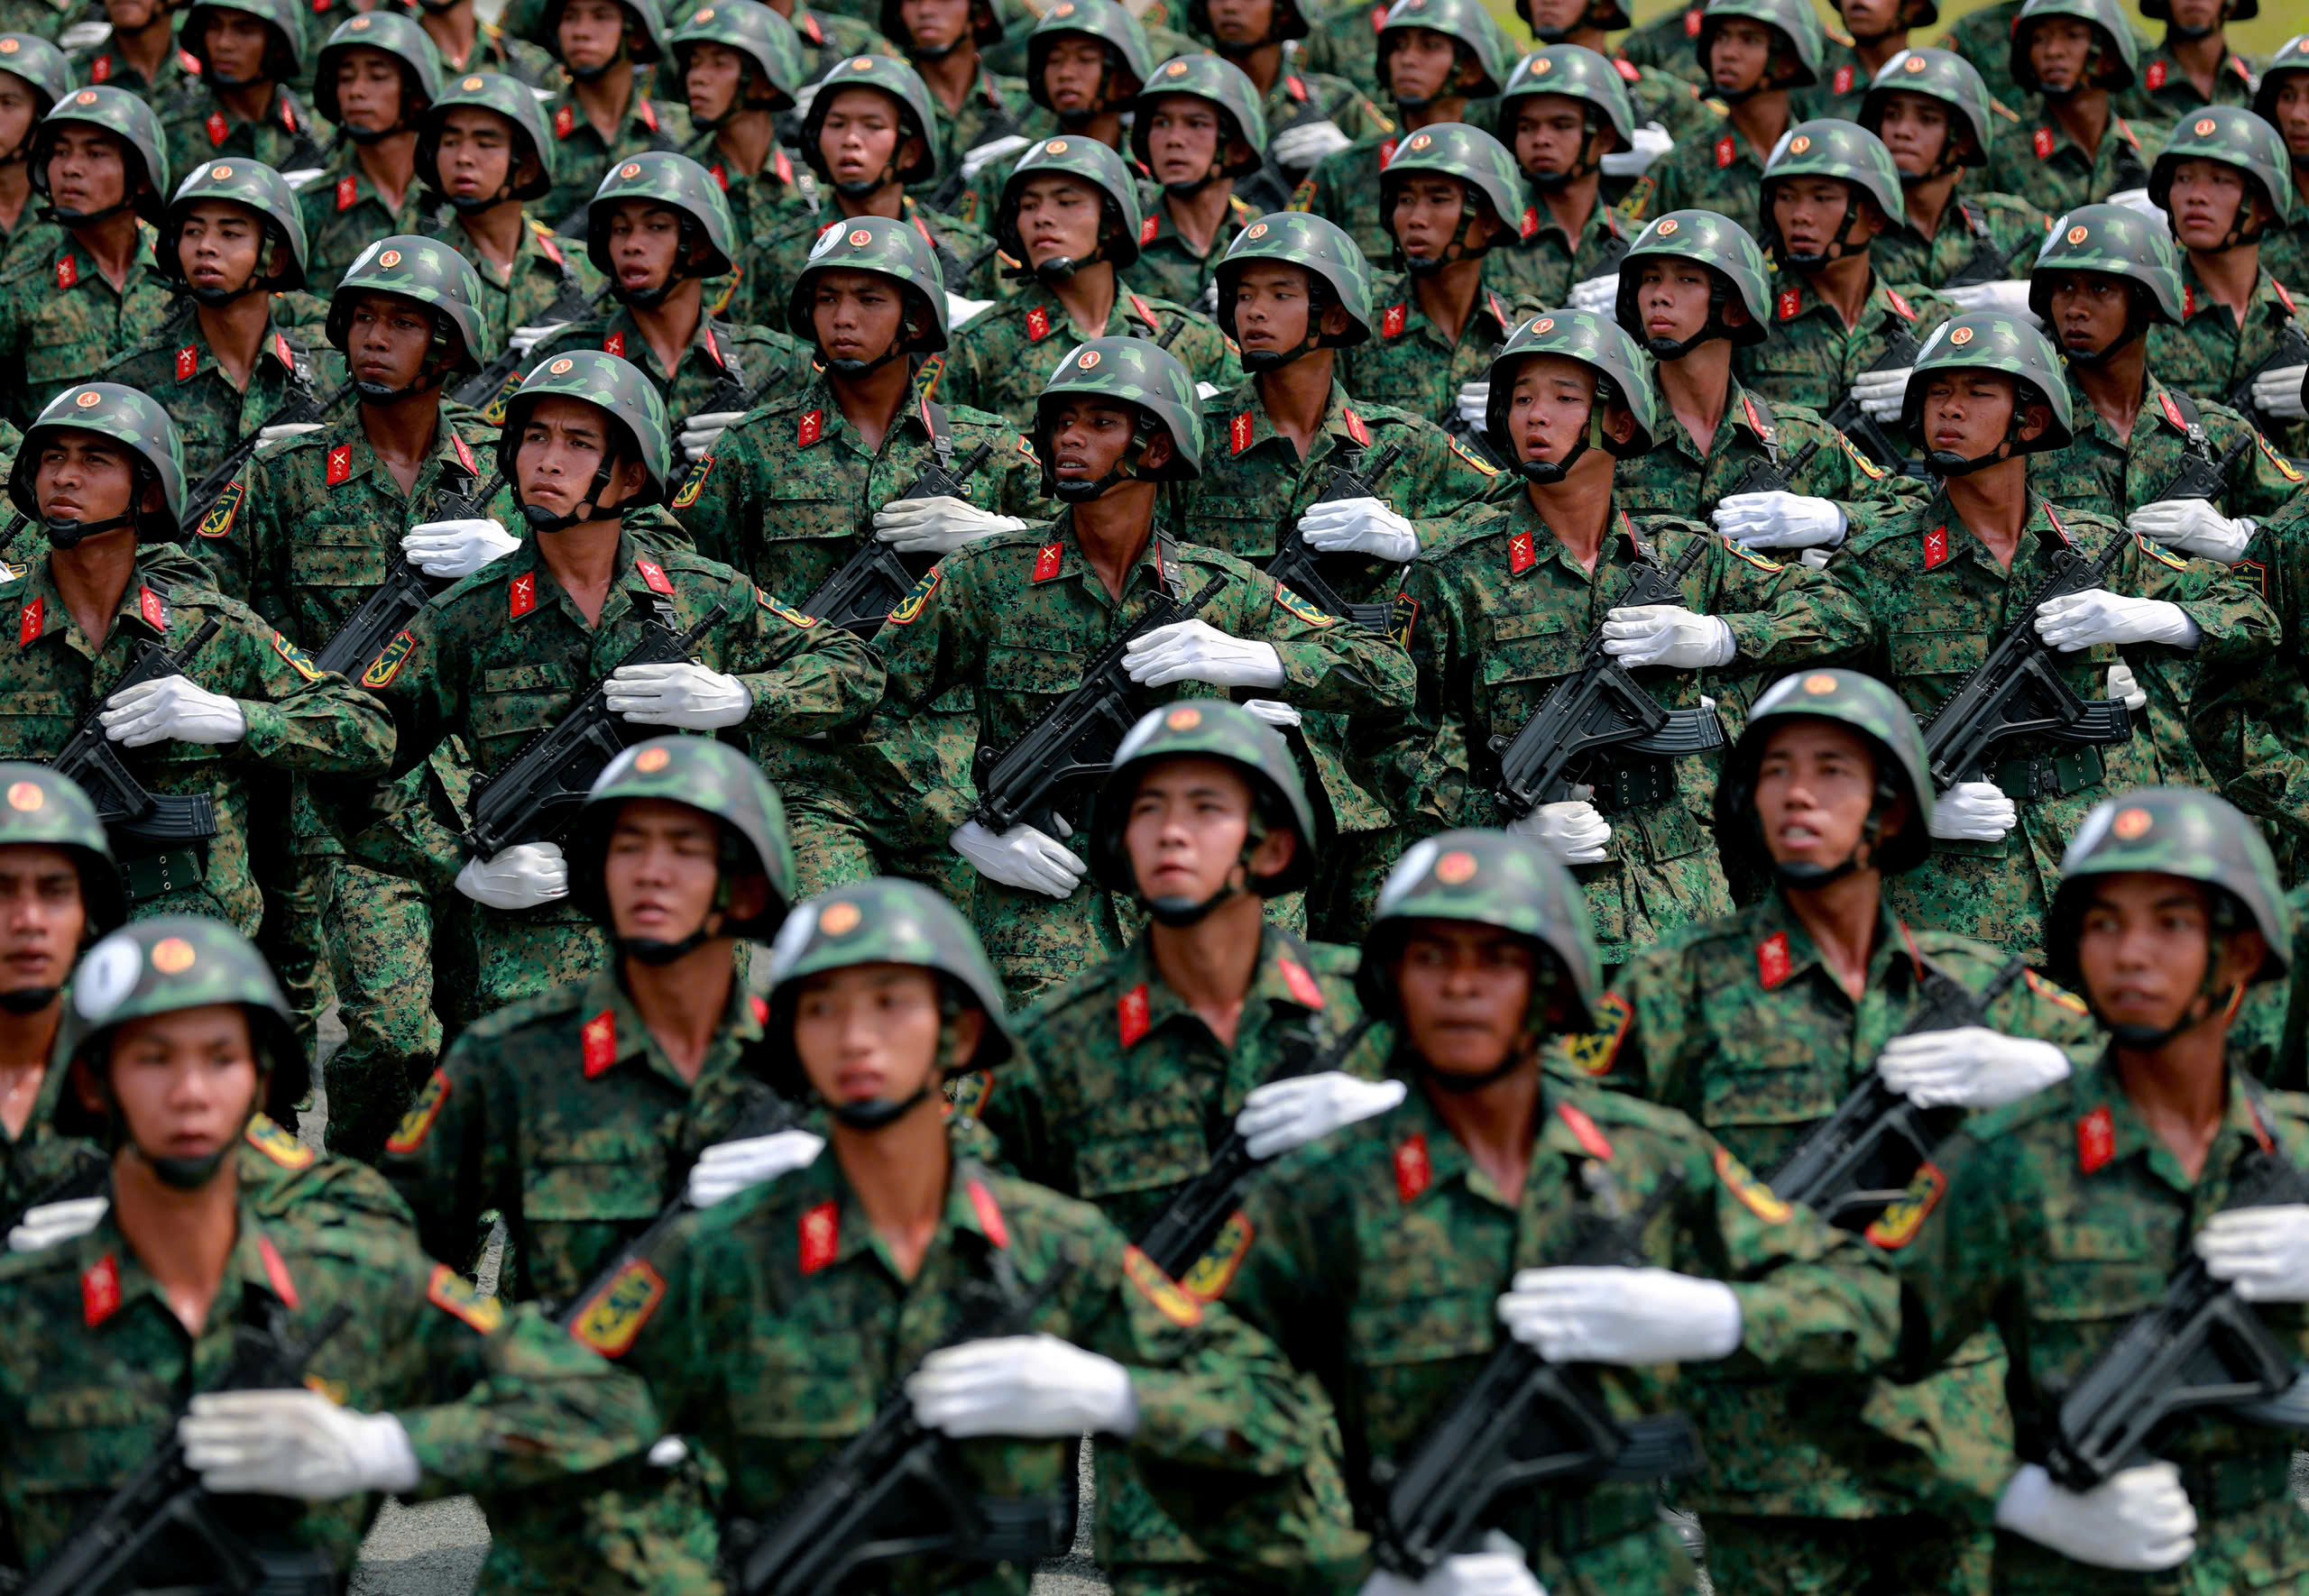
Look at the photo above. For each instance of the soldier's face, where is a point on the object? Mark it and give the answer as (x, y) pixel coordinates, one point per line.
(934, 25)
(88, 169)
(1074, 74)
(368, 89)
(1187, 828)
(130, 16)
(1058, 216)
(1426, 213)
(1559, 16)
(856, 315)
(221, 245)
(187, 1082)
(1550, 130)
(2089, 309)
(1182, 138)
(1548, 407)
(860, 135)
(2059, 48)
(1811, 212)
(1968, 413)
(387, 338)
(1241, 22)
(236, 46)
(1089, 437)
(1916, 128)
(563, 445)
(869, 1033)
(17, 104)
(1871, 19)
(1464, 991)
(592, 33)
(1815, 786)
(2142, 944)
(84, 476)
(2205, 202)
(645, 243)
(1741, 53)
(663, 869)
(1272, 305)
(475, 152)
(1672, 297)
(1420, 63)
(2201, 14)
(711, 79)
(41, 917)
(2292, 112)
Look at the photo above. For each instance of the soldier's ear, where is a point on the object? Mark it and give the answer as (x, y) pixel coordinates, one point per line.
(1160, 450)
(2036, 419)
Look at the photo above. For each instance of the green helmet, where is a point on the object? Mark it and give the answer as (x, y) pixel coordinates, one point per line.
(1796, 21)
(1211, 77)
(1990, 341)
(1095, 164)
(614, 385)
(1717, 242)
(756, 32)
(509, 98)
(887, 920)
(2179, 831)
(1462, 151)
(1594, 343)
(712, 777)
(1483, 878)
(679, 184)
(247, 183)
(1322, 248)
(395, 35)
(902, 84)
(284, 56)
(1868, 707)
(1827, 147)
(1940, 75)
(428, 272)
(40, 63)
(2118, 52)
(1213, 728)
(126, 415)
(893, 249)
(1577, 73)
(645, 31)
(128, 119)
(2115, 240)
(42, 809)
(1467, 24)
(987, 28)
(1142, 372)
(2292, 56)
(1131, 62)
(2233, 136)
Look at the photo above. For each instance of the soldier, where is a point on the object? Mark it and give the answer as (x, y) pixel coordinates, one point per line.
(1664, 44)
(2168, 912)
(70, 303)
(1666, 97)
(140, 52)
(1309, 114)
(1878, 31)
(1069, 216)
(508, 652)
(1755, 53)
(603, 116)
(251, 51)
(2193, 67)
(466, 44)
(34, 76)
(2283, 102)
(828, 38)
(982, 115)
(377, 77)
(1086, 61)
(1758, 1027)
(1395, 1256)
(1197, 130)
(1564, 113)
(1504, 607)
(2071, 59)
(1937, 587)
(1016, 617)
(1983, 37)
(742, 67)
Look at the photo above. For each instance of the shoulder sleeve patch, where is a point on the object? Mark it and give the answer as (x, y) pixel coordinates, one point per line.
(790, 616)
(2285, 468)
(614, 1316)
(1752, 558)
(1461, 451)
(1592, 1053)
(278, 1144)
(1169, 1299)
(1216, 1270)
(219, 519)
(1867, 467)
(1898, 1225)
(417, 1124)
(2058, 996)
(1300, 608)
(299, 661)
(1754, 1194)
(455, 1295)
(910, 607)
(387, 665)
(2160, 554)
(687, 494)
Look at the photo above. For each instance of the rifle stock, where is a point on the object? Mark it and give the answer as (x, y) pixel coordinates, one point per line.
(1864, 430)
(487, 390)
(860, 595)
(2292, 350)
(396, 600)
(1299, 567)
(138, 821)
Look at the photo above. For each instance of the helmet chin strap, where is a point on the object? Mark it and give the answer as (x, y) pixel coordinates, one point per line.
(588, 509)
(877, 1114)
(1544, 474)
(595, 74)
(65, 218)
(1844, 242)
(1454, 251)
(1719, 293)
(70, 534)
(2109, 351)
(28, 1000)
(1947, 462)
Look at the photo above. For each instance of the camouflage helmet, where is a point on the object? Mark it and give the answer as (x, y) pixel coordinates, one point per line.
(1796, 21)
(39, 63)
(1211, 77)
(1467, 24)
(1577, 73)
(711, 777)
(614, 385)
(1594, 343)
(1289, 22)
(127, 415)
(1991, 340)
(2292, 56)
(1211, 729)
(887, 246)
(1717, 242)
(2179, 831)
(2233, 136)
(1940, 75)
(39, 808)
(2119, 54)
(645, 31)
(1321, 248)
(284, 57)
(756, 32)
(1491, 878)
(1110, 25)
(2115, 240)
(1462, 151)
(1139, 372)
(251, 185)
(1095, 164)
(428, 272)
(127, 118)
(509, 98)
(1850, 699)
(987, 24)
(394, 34)
(679, 184)
(902, 84)
(887, 921)
(1828, 147)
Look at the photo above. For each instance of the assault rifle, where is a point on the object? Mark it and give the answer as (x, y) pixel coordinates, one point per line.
(1986, 263)
(1299, 567)
(88, 1177)
(487, 390)
(1858, 1162)
(1868, 434)
(163, 1512)
(396, 600)
(1770, 474)
(141, 822)
(858, 598)
(306, 408)
(1525, 1424)
(1590, 722)
(2292, 350)
(534, 795)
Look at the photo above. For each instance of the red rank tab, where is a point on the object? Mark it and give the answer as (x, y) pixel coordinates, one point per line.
(648, 115)
(1387, 153)
(522, 595)
(1907, 311)
(1935, 548)
(565, 122)
(1773, 963)
(464, 456)
(1239, 431)
(1413, 1173)
(28, 629)
(280, 348)
(1528, 226)
(989, 1215)
(340, 464)
(1303, 989)
(1147, 231)
(1790, 304)
(67, 271)
(1842, 80)
(812, 427)
(1049, 560)
(1037, 324)
(2044, 142)
(348, 193)
(1592, 1139)
(614, 344)
(2172, 411)
(600, 1039)
(276, 1271)
(821, 1236)
(1522, 554)
(1356, 429)
(155, 613)
(1133, 1016)
(101, 72)
(2158, 72)
(1391, 325)
(655, 575)
(217, 130)
(1692, 22)
(1728, 150)
(100, 1291)
(720, 176)
(187, 362)
(2096, 1140)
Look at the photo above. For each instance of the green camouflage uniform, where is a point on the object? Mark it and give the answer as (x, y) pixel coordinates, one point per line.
(581, 157)
(2098, 474)
(1312, 97)
(179, 370)
(1812, 355)
(1984, 38)
(345, 212)
(2009, 229)
(103, 64)
(2040, 164)
(2284, 244)
(770, 362)
(198, 128)
(527, 292)
(994, 107)
(2210, 354)
(2165, 92)
(496, 51)
(1723, 173)
(1664, 44)
(1002, 359)
(762, 205)
(1167, 262)
(1410, 364)
(61, 320)
(1540, 268)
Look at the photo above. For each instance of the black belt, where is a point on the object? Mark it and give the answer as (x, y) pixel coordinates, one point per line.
(2050, 775)
(178, 869)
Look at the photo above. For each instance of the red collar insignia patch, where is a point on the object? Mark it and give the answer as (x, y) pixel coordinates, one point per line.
(155, 613)
(1935, 548)
(340, 464)
(821, 1236)
(348, 193)
(654, 574)
(1391, 325)
(27, 629)
(1133, 1015)
(1049, 560)
(100, 1291)
(187, 362)
(67, 271)
(1592, 1139)
(1037, 324)
(811, 428)
(1303, 989)
(1356, 429)
(2044, 142)
(1413, 1173)
(522, 596)
(1728, 150)
(2096, 1140)
(1774, 963)
(1521, 554)
(217, 130)
(600, 1037)
(990, 1214)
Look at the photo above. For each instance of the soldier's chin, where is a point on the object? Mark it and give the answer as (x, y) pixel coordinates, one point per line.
(28, 1000)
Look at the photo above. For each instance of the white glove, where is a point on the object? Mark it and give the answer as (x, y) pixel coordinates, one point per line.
(1575, 830)
(1973, 811)
(1971, 1067)
(1474, 402)
(2124, 685)
(979, 157)
(1632, 1316)
(727, 1168)
(1814, 559)
(960, 311)
(1881, 393)
(702, 431)
(1197, 651)
(1206, 390)
(2096, 615)
(269, 438)
(2192, 526)
(2138, 1518)
(1599, 296)
(1500, 1569)
(524, 339)
(1282, 1115)
(1667, 634)
(295, 1443)
(937, 525)
(1301, 148)
(2137, 199)
(668, 1452)
(802, 103)
(678, 694)
(1651, 141)
(456, 548)
(521, 877)
(82, 37)
(1275, 712)
(1361, 526)
(300, 177)
(43, 1226)
(172, 708)
(2007, 296)
(1021, 857)
(2277, 394)
(2264, 1253)
(1774, 519)
(1022, 1385)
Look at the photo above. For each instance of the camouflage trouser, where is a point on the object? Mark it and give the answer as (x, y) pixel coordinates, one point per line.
(522, 953)
(1339, 903)
(294, 882)
(642, 1532)
(1911, 1556)
(380, 939)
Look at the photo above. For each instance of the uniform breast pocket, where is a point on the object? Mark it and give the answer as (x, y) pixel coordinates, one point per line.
(1790, 373)
(345, 560)
(515, 702)
(798, 509)
(35, 723)
(1239, 527)
(806, 1386)
(1769, 1089)
(2094, 1275)
(1011, 669)
(60, 348)
(1940, 651)
(85, 1439)
(1147, 1159)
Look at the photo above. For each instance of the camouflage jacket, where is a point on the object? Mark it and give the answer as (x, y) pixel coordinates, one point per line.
(1812, 356)
(1984, 38)
(1167, 262)
(525, 295)
(1723, 174)
(995, 106)
(177, 367)
(763, 206)
(1003, 359)
(2010, 230)
(2164, 92)
(2039, 161)
(2285, 246)
(1843, 82)
(2211, 353)
(345, 212)
(496, 51)
(1409, 363)
(195, 126)
(966, 260)
(762, 362)
(1665, 44)
(30, 235)
(1300, 96)
(1344, 188)
(1540, 266)
(2096, 473)
(582, 156)
(61, 318)
(103, 63)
